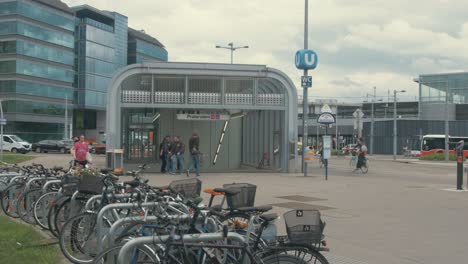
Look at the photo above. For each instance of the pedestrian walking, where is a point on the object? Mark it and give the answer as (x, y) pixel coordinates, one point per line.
(80, 152)
(177, 151)
(194, 147)
(361, 150)
(164, 154)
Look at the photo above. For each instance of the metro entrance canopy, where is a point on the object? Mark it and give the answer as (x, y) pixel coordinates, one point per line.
(253, 110)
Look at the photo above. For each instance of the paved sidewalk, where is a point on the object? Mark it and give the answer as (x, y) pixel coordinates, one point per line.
(397, 213)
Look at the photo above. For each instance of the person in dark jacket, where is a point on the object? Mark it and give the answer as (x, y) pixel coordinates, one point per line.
(194, 148)
(164, 154)
(177, 152)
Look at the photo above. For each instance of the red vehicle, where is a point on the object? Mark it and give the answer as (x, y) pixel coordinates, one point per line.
(432, 144)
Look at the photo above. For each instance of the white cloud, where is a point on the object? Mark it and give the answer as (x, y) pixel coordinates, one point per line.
(422, 36)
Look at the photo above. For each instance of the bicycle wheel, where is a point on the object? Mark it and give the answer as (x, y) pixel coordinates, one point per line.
(78, 240)
(51, 214)
(304, 252)
(65, 211)
(236, 220)
(25, 205)
(283, 259)
(10, 199)
(42, 207)
(142, 254)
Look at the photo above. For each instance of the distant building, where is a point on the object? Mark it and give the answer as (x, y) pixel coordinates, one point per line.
(50, 53)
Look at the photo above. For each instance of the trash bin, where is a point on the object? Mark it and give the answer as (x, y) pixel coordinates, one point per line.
(118, 161)
(110, 159)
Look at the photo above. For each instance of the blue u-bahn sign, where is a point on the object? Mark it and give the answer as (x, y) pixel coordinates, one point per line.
(306, 59)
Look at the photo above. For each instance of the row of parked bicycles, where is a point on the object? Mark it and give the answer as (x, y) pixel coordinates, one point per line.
(98, 218)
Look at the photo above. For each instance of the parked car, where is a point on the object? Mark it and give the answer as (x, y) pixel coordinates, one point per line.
(97, 148)
(62, 146)
(15, 144)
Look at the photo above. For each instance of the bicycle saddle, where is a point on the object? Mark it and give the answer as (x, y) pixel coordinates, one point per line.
(132, 184)
(260, 209)
(269, 217)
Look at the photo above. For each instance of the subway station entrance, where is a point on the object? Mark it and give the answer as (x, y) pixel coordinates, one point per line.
(245, 115)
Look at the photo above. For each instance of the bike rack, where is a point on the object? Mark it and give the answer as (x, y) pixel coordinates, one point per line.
(131, 245)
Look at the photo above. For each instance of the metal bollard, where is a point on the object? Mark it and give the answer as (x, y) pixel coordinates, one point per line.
(460, 146)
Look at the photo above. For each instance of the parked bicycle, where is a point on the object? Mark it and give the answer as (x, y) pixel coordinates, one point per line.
(100, 219)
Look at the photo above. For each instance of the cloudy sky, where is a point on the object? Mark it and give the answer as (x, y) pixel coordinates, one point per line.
(360, 43)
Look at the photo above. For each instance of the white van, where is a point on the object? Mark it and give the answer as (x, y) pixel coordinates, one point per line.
(15, 144)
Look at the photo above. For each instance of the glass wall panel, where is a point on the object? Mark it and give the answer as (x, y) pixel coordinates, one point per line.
(37, 89)
(7, 46)
(7, 66)
(95, 99)
(44, 71)
(97, 24)
(45, 15)
(34, 132)
(44, 52)
(28, 30)
(29, 107)
(8, 27)
(151, 50)
(8, 8)
(97, 83)
(99, 67)
(121, 39)
(100, 36)
(7, 86)
(100, 52)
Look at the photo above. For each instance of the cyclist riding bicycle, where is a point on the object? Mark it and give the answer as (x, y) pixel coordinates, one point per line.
(360, 150)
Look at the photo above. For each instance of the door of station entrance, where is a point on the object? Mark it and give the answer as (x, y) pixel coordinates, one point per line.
(140, 138)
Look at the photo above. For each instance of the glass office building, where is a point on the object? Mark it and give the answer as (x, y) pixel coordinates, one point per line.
(36, 66)
(50, 53)
(443, 96)
(142, 47)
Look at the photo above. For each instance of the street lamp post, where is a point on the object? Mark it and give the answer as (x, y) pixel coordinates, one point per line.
(232, 49)
(372, 121)
(395, 122)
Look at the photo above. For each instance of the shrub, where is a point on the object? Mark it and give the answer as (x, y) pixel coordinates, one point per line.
(439, 156)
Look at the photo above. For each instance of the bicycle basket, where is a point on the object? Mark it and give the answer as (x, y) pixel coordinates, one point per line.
(69, 184)
(90, 184)
(304, 225)
(188, 188)
(245, 198)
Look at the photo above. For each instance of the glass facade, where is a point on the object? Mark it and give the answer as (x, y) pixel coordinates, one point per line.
(36, 32)
(47, 53)
(75, 57)
(435, 87)
(31, 107)
(44, 71)
(140, 51)
(121, 39)
(151, 50)
(96, 62)
(37, 12)
(44, 52)
(36, 89)
(41, 130)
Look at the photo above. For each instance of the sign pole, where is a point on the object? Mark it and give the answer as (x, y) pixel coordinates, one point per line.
(305, 103)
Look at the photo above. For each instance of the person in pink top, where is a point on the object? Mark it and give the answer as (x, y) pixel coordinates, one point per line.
(80, 150)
